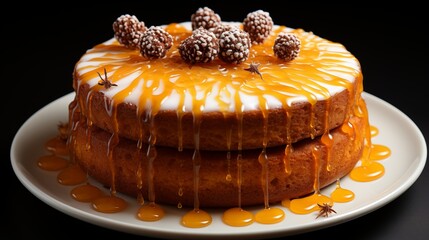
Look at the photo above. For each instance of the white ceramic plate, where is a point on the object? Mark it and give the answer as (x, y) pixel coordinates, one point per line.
(396, 131)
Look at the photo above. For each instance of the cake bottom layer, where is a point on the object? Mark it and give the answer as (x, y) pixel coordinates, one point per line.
(216, 178)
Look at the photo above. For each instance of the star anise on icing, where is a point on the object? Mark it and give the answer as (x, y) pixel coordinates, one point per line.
(325, 210)
(104, 81)
(253, 68)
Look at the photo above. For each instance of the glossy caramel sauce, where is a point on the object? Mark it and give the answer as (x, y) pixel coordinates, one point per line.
(309, 203)
(237, 217)
(370, 169)
(321, 67)
(72, 175)
(52, 162)
(196, 218)
(109, 204)
(341, 195)
(379, 152)
(57, 146)
(270, 215)
(86, 193)
(150, 212)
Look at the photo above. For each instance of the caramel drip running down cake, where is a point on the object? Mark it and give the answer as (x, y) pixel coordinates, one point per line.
(210, 113)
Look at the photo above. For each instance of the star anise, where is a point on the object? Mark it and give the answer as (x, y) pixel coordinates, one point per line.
(253, 68)
(325, 210)
(105, 82)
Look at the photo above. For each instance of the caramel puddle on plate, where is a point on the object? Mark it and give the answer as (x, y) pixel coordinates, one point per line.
(370, 169)
(196, 218)
(150, 212)
(86, 193)
(52, 162)
(109, 204)
(341, 195)
(237, 217)
(270, 215)
(58, 146)
(307, 204)
(72, 175)
(379, 152)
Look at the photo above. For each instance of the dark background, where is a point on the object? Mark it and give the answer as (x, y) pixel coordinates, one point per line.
(41, 44)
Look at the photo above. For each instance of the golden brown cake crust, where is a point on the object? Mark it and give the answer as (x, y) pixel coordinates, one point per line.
(174, 170)
(215, 126)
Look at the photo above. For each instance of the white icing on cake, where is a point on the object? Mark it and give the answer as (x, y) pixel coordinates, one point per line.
(334, 60)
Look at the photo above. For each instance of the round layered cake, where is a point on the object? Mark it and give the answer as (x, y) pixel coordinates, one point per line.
(187, 118)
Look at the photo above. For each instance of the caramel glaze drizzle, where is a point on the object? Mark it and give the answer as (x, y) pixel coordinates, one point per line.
(238, 216)
(321, 64)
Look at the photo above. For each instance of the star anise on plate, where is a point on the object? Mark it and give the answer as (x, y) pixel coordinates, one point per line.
(253, 68)
(104, 81)
(325, 210)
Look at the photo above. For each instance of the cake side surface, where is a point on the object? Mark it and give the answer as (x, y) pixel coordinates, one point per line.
(173, 170)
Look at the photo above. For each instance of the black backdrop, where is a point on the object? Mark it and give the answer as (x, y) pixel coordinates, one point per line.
(41, 44)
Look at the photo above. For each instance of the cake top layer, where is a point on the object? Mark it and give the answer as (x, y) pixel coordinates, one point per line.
(322, 69)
